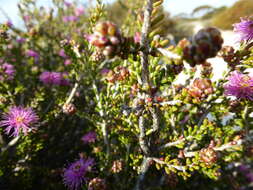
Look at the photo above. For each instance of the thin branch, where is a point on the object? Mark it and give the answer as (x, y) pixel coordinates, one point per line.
(72, 93)
(226, 146)
(170, 144)
(142, 135)
(10, 144)
(180, 168)
(144, 41)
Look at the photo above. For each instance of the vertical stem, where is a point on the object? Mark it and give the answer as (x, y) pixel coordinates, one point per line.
(144, 41)
(145, 81)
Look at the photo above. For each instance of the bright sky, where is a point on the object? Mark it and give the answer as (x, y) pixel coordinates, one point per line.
(173, 6)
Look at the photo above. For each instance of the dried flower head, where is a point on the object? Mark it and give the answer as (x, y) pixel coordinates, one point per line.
(19, 119)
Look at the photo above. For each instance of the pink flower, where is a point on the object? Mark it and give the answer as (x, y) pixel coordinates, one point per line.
(7, 71)
(74, 175)
(18, 120)
(239, 85)
(244, 29)
(89, 137)
(54, 78)
(79, 11)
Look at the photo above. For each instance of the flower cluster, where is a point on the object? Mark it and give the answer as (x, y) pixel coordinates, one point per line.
(74, 175)
(200, 88)
(239, 85)
(208, 155)
(205, 44)
(54, 78)
(244, 29)
(120, 74)
(19, 119)
(107, 38)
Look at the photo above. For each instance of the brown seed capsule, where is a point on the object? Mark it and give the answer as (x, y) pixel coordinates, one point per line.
(117, 166)
(97, 184)
(208, 155)
(97, 56)
(69, 109)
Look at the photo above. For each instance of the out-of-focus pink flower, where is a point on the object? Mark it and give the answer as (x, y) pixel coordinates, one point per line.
(54, 78)
(70, 18)
(67, 62)
(62, 53)
(79, 11)
(67, 4)
(9, 23)
(137, 37)
(21, 40)
(27, 18)
(7, 71)
(32, 53)
(89, 137)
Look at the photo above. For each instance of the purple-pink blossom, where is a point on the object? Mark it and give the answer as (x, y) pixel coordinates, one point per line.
(21, 40)
(32, 53)
(89, 137)
(62, 53)
(70, 18)
(19, 119)
(239, 85)
(54, 78)
(67, 62)
(244, 29)
(79, 11)
(74, 175)
(7, 71)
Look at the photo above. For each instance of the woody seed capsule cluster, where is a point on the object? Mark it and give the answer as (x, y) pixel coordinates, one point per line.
(208, 155)
(107, 38)
(205, 44)
(97, 184)
(69, 109)
(200, 88)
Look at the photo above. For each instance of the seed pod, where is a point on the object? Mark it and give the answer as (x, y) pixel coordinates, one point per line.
(117, 166)
(69, 109)
(97, 56)
(208, 155)
(97, 184)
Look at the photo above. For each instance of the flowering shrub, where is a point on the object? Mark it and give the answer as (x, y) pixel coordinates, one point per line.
(87, 105)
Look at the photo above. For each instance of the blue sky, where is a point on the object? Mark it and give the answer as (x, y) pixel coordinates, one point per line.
(173, 6)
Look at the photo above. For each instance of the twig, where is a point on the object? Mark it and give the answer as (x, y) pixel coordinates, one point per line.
(142, 135)
(221, 148)
(180, 168)
(144, 41)
(168, 53)
(10, 144)
(170, 144)
(71, 95)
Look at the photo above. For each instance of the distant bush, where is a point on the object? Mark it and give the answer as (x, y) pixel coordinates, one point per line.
(232, 15)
